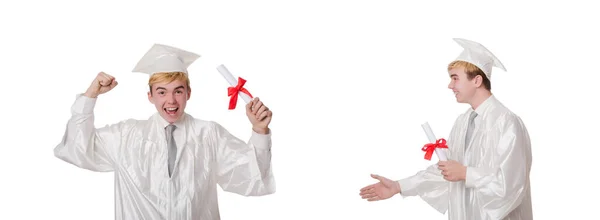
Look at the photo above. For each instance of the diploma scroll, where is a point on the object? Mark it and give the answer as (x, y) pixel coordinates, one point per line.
(440, 154)
(232, 81)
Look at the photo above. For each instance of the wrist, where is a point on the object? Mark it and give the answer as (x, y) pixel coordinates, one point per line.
(397, 189)
(90, 94)
(261, 130)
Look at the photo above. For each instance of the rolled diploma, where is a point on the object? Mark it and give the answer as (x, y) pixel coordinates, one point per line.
(440, 154)
(232, 81)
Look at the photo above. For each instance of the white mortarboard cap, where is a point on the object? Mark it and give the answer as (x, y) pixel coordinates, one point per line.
(478, 55)
(163, 58)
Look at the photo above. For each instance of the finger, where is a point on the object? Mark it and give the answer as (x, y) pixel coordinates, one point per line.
(107, 76)
(260, 110)
(105, 81)
(249, 106)
(378, 177)
(256, 106)
(102, 81)
(365, 192)
(262, 116)
(367, 187)
(375, 198)
(369, 196)
(113, 84)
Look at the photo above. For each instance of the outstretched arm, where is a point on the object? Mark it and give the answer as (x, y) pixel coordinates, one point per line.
(429, 184)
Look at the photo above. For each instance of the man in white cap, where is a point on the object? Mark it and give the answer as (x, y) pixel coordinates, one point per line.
(489, 152)
(168, 166)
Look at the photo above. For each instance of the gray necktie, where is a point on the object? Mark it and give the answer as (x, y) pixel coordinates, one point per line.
(171, 147)
(467, 140)
(470, 129)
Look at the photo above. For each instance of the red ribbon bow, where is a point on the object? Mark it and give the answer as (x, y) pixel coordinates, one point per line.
(429, 148)
(234, 91)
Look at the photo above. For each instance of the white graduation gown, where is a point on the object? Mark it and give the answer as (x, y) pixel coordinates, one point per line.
(136, 151)
(498, 162)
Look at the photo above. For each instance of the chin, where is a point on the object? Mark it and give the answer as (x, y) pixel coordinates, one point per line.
(171, 118)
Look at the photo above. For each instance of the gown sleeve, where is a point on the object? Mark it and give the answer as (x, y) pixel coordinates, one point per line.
(85, 146)
(243, 168)
(429, 184)
(500, 188)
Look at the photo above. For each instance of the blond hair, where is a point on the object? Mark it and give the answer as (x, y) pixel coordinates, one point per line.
(472, 71)
(168, 77)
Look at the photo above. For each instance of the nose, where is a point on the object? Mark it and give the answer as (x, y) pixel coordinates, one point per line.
(171, 99)
(450, 85)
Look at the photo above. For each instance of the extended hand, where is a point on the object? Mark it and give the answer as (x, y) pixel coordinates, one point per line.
(384, 189)
(101, 84)
(259, 115)
(452, 170)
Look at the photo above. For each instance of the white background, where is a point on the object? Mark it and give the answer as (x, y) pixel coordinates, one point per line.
(349, 82)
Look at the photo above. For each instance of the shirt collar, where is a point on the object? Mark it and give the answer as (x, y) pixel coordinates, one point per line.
(485, 105)
(164, 123)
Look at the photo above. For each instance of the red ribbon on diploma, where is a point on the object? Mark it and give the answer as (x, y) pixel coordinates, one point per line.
(429, 148)
(234, 91)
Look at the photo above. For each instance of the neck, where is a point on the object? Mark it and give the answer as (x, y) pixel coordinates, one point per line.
(480, 96)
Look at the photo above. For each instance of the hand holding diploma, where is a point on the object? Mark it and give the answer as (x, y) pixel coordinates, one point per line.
(258, 113)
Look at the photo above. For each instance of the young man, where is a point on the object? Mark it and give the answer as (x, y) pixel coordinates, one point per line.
(489, 152)
(167, 167)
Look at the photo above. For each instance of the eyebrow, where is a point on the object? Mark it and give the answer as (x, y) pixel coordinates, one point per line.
(451, 75)
(179, 87)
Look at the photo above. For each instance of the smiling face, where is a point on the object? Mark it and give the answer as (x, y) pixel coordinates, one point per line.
(169, 92)
(461, 86)
(465, 80)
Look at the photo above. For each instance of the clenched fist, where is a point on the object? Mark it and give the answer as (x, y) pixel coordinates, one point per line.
(101, 84)
(259, 115)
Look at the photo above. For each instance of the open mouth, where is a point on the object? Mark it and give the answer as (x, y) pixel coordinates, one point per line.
(171, 111)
